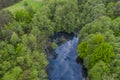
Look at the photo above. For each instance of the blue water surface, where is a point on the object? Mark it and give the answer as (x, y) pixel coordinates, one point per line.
(64, 66)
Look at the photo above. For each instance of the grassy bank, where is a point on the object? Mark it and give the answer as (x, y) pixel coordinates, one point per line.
(36, 4)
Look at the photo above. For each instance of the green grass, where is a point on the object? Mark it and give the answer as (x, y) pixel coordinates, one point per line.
(36, 4)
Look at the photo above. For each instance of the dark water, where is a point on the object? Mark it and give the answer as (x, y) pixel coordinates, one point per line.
(64, 66)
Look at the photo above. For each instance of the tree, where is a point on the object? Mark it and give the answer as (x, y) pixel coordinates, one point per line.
(103, 52)
(83, 49)
(117, 9)
(14, 74)
(5, 18)
(116, 45)
(98, 38)
(110, 9)
(109, 36)
(100, 25)
(115, 67)
(23, 16)
(66, 16)
(116, 26)
(42, 22)
(14, 27)
(94, 39)
(30, 41)
(92, 10)
(14, 38)
(34, 65)
(100, 71)
(87, 46)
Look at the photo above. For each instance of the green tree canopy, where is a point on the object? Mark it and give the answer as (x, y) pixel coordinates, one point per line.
(103, 52)
(66, 16)
(100, 71)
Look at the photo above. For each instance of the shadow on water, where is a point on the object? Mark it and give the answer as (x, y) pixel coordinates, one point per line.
(61, 37)
(63, 65)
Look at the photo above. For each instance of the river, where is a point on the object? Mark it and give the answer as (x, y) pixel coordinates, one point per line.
(64, 65)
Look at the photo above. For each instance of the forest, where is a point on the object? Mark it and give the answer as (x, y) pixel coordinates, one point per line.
(26, 27)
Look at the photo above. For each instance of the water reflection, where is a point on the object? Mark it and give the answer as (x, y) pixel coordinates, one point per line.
(64, 66)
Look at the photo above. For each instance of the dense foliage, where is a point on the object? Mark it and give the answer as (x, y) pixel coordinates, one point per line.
(22, 55)
(23, 36)
(100, 37)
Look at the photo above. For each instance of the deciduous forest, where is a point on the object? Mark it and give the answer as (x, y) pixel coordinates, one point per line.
(26, 26)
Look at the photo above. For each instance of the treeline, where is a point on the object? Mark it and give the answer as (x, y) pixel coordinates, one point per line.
(6, 3)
